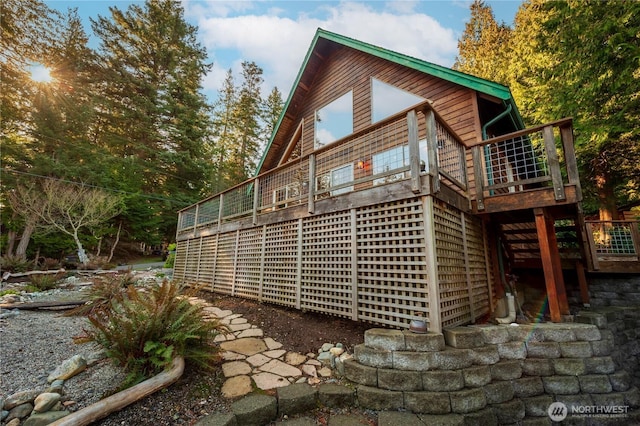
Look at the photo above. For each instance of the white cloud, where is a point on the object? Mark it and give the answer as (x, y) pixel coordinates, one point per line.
(278, 43)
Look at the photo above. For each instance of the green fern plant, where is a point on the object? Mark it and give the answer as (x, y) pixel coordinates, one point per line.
(144, 330)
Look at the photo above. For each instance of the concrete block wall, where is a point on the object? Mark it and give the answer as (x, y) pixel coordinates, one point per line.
(620, 331)
(618, 290)
(491, 374)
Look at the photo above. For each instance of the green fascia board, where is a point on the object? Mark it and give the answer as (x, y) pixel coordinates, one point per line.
(466, 80)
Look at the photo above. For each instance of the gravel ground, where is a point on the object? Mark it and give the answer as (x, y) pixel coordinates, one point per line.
(34, 343)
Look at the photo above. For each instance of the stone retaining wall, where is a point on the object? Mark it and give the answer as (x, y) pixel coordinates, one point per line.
(619, 290)
(497, 374)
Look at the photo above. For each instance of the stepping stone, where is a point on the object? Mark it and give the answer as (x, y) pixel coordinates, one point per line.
(309, 370)
(239, 320)
(236, 386)
(294, 358)
(252, 332)
(258, 359)
(235, 368)
(281, 368)
(272, 344)
(248, 346)
(232, 356)
(239, 327)
(275, 354)
(266, 381)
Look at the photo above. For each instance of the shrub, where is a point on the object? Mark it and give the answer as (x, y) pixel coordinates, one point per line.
(144, 330)
(102, 293)
(14, 264)
(43, 282)
(48, 263)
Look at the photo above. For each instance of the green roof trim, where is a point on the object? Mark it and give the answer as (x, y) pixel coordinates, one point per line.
(466, 80)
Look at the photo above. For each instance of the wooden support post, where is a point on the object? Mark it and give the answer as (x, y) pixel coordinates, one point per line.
(263, 249)
(220, 210)
(354, 266)
(550, 256)
(414, 151)
(432, 150)
(299, 266)
(215, 263)
(467, 267)
(433, 284)
(235, 263)
(256, 199)
(479, 176)
(582, 280)
(554, 163)
(312, 184)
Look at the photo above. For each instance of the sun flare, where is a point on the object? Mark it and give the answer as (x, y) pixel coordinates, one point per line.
(41, 74)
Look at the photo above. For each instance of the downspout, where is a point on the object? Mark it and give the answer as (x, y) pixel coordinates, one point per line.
(484, 137)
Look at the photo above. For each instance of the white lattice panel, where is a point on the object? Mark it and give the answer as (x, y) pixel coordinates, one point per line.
(392, 277)
(223, 279)
(326, 264)
(248, 263)
(280, 264)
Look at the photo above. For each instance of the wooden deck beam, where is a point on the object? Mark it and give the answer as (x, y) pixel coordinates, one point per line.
(556, 293)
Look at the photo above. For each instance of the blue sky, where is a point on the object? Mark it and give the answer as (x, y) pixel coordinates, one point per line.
(277, 34)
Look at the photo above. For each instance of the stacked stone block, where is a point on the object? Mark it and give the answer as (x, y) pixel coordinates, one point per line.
(622, 291)
(489, 374)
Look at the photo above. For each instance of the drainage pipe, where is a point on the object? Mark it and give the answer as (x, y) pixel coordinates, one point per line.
(511, 317)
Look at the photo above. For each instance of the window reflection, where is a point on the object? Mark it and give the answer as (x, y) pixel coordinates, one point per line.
(334, 121)
(387, 100)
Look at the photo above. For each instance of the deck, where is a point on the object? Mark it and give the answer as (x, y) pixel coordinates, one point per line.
(360, 228)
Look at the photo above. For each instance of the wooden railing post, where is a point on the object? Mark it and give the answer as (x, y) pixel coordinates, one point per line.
(553, 162)
(312, 184)
(256, 199)
(479, 176)
(414, 151)
(432, 151)
(220, 210)
(195, 219)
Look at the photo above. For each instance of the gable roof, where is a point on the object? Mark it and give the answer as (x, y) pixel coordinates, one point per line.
(319, 44)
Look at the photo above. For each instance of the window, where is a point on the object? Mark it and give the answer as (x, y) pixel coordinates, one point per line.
(284, 195)
(396, 158)
(334, 121)
(387, 100)
(335, 177)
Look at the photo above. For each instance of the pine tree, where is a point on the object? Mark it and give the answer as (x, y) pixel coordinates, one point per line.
(581, 59)
(156, 118)
(483, 48)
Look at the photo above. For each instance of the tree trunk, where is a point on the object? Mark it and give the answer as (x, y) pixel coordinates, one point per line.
(11, 242)
(115, 243)
(606, 195)
(82, 255)
(21, 250)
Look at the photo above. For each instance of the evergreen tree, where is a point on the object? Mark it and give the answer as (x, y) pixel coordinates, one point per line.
(271, 112)
(155, 117)
(581, 59)
(247, 116)
(484, 47)
(223, 122)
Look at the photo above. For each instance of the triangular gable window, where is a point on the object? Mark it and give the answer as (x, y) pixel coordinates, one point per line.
(387, 100)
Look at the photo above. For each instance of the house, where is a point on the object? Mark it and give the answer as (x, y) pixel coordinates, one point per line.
(393, 188)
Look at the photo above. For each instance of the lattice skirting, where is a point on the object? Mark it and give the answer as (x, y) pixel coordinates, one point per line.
(367, 264)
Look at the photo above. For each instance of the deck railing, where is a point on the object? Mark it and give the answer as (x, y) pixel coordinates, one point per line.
(534, 158)
(404, 146)
(615, 240)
